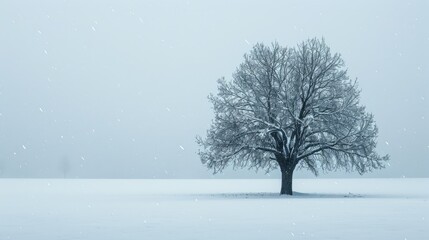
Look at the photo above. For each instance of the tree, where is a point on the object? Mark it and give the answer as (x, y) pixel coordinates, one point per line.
(290, 108)
(65, 166)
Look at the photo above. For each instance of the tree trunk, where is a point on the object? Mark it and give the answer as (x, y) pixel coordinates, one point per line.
(287, 177)
(287, 166)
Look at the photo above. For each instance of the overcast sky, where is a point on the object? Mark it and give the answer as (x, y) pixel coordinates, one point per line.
(119, 88)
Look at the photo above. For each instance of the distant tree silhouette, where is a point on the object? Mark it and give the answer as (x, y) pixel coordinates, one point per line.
(65, 166)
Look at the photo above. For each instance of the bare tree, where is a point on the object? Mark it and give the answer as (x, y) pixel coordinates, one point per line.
(65, 166)
(289, 108)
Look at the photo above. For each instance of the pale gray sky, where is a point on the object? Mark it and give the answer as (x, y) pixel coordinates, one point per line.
(119, 87)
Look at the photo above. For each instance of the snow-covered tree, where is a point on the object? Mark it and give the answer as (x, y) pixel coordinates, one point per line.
(290, 108)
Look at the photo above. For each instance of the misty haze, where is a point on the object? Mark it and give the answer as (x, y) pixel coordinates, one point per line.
(113, 121)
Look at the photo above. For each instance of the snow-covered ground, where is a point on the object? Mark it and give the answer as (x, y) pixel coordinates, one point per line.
(44, 209)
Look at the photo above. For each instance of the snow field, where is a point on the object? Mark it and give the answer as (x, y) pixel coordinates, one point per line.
(213, 209)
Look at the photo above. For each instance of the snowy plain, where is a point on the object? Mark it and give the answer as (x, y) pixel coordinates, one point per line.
(44, 209)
